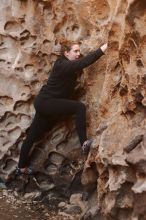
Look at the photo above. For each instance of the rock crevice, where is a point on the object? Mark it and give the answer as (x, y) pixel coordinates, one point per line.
(114, 92)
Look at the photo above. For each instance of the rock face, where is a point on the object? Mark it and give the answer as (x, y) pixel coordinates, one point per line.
(115, 95)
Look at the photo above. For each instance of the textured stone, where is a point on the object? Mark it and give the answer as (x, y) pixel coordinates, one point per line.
(30, 32)
(72, 209)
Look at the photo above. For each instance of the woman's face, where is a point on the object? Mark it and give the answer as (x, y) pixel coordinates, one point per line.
(74, 52)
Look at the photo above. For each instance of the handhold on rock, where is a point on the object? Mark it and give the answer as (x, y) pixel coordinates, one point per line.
(133, 143)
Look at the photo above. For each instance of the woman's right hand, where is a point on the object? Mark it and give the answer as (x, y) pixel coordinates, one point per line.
(103, 47)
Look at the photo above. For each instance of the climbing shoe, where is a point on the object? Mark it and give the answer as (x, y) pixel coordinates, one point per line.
(86, 146)
(27, 171)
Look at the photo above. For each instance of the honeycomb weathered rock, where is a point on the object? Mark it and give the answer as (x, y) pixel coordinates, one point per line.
(115, 94)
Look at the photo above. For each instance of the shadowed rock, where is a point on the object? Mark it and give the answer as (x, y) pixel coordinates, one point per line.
(134, 143)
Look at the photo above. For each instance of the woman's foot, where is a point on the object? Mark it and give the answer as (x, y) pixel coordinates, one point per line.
(25, 170)
(86, 146)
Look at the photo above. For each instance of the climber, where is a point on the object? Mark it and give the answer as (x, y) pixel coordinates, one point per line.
(54, 100)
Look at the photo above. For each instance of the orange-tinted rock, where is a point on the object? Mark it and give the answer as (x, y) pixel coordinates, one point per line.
(115, 95)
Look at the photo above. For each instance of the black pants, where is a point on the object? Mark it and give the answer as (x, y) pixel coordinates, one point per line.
(47, 112)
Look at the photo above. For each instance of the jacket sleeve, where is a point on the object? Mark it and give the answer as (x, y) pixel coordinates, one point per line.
(64, 67)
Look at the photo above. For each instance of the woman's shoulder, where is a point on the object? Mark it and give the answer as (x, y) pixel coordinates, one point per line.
(60, 60)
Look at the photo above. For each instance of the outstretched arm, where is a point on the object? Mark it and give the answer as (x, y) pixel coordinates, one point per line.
(65, 66)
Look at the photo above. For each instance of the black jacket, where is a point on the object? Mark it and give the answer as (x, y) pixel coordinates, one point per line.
(62, 79)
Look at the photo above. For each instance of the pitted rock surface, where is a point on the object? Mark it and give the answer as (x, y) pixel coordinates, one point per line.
(114, 92)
